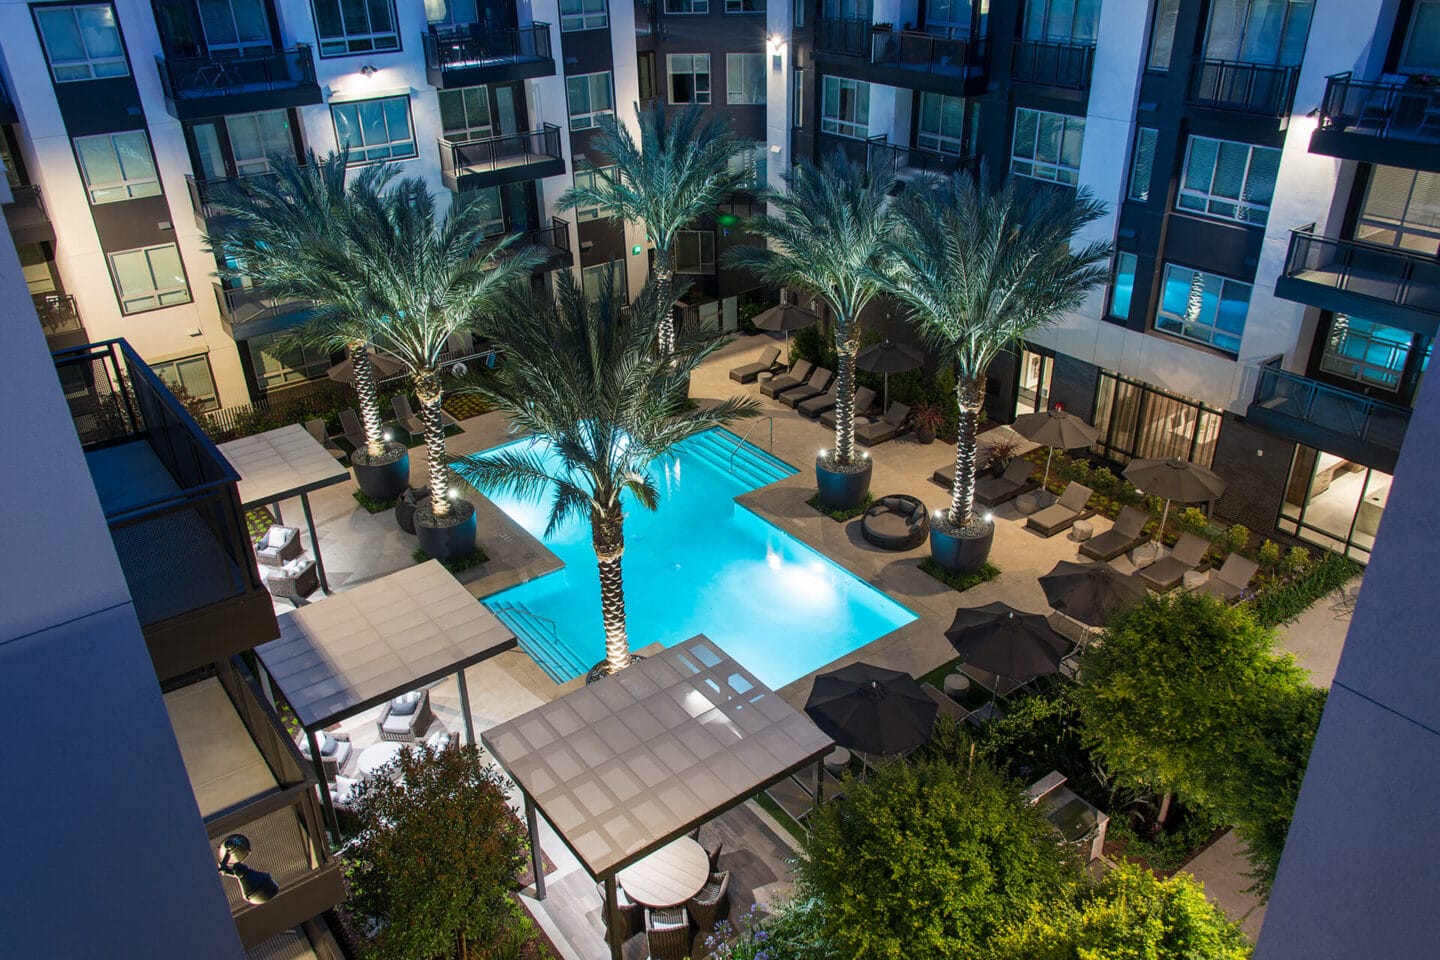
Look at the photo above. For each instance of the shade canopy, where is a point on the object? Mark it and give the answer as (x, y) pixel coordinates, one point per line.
(384, 366)
(625, 765)
(1175, 479)
(358, 648)
(1055, 428)
(1090, 592)
(785, 317)
(1007, 642)
(871, 709)
(279, 464)
(888, 357)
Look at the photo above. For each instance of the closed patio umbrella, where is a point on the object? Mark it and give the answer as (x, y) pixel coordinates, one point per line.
(785, 317)
(888, 357)
(384, 366)
(1007, 642)
(1174, 479)
(871, 709)
(1090, 592)
(1054, 428)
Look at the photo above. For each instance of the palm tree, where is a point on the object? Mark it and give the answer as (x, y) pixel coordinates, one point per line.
(980, 269)
(829, 238)
(680, 168)
(585, 375)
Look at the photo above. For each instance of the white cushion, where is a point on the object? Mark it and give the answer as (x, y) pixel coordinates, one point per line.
(344, 786)
(328, 744)
(396, 724)
(278, 536)
(438, 740)
(405, 704)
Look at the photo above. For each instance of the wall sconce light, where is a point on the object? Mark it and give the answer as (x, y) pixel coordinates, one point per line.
(368, 71)
(255, 885)
(777, 43)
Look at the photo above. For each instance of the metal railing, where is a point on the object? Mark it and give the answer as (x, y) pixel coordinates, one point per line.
(487, 155)
(242, 305)
(195, 78)
(472, 45)
(1052, 63)
(26, 207)
(1258, 88)
(1382, 273)
(900, 49)
(903, 163)
(556, 235)
(740, 442)
(57, 313)
(848, 35)
(202, 191)
(1378, 109)
(1340, 412)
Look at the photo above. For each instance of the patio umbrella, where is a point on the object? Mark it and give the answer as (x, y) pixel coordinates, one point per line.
(785, 317)
(1054, 428)
(1090, 592)
(1174, 479)
(871, 709)
(1006, 642)
(888, 357)
(384, 366)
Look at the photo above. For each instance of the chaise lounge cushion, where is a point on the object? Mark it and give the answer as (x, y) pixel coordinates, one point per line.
(1127, 534)
(1167, 572)
(1060, 515)
(993, 491)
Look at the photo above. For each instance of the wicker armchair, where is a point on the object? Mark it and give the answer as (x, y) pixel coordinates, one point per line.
(668, 933)
(279, 546)
(340, 750)
(401, 727)
(294, 581)
(627, 918)
(712, 903)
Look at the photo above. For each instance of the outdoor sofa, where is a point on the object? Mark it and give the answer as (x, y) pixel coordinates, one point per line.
(406, 718)
(896, 522)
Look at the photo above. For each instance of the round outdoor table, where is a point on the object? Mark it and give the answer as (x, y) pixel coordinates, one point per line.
(376, 755)
(668, 877)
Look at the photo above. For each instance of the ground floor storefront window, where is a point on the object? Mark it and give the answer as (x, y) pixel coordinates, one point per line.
(1333, 502)
(1137, 420)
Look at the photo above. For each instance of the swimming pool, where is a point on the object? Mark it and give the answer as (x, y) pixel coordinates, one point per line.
(700, 564)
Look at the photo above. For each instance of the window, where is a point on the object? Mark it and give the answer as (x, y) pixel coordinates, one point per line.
(1122, 285)
(355, 26)
(1061, 20)
(952, 18)
(797, 102)
(1203, 307)
(744, 6)
(689, 77)
(1270, 32)
(593, 279)
(453, 13)
(583, 15)
(465, 114)
(845, 108)
(374, 129)
(1333, 502)
(1162, 35)
(1401, 209)
(645, 67)
(942, 124)
(753, 166)
(149, 277)
(1366, 352)
(1422, 43)
(1135, 419)
(192, 374)
(687, 6)
(847, 9)
(1047, 146)
(799, 14)
(277, 362)
(489, 206)
(695, 251)
(234, 24)
(745, 77)
(256, 137)
(1142, 164)
(1234, 181)
(82, 42)
(590, 99)
(117, 166)
(585, 178)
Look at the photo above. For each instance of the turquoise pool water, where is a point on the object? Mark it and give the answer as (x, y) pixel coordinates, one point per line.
(700, 564)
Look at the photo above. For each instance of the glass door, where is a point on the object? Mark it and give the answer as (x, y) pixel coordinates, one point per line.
(235, 27)
(1033, 387)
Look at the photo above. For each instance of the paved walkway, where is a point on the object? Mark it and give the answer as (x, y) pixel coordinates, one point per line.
(1223, 868)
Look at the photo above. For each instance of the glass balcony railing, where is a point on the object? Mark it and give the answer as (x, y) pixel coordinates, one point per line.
(472, 46)
(1052, 63)
(208, 78)
(1335, 416)
(911, 163)
(1255, 88)
(501, 159)
(1385, 275)
(909, 50)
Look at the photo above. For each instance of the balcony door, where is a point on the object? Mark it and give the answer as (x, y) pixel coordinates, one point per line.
(1062, 21)
(235, 27)
(1401, 210)
(1265, 32)
(240, 145)
(957, 19)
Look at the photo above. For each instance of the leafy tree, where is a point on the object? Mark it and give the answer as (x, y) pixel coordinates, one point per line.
(1129, 914)
(679, 169)
(980, 269)
(828, 238)
(586, 376)
(436, 857)
(929, 860)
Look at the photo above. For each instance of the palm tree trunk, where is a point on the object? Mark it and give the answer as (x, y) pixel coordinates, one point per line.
(369, 394)
(607, 533)
(430, 393)
(962, 494)
(664, 283)
(845, 347)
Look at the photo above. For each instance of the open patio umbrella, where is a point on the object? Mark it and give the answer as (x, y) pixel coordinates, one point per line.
(1174, 479)
(785, 317)
(1090, 592)
(888, 357)
(1007, 642)
(871, 709)
(1054, 428)
(385, 366)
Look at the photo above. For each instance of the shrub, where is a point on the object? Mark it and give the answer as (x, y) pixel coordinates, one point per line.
(1269, 555)
(1297, 560)
(1189, 520)
(960, 581)
(1129, 494)
(1282, 602)
(1237, 538)
(809, 343)
(1102, 480)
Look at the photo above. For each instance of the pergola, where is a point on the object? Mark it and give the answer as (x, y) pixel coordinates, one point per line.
(624, 766)
(356, 649)
(283, 463)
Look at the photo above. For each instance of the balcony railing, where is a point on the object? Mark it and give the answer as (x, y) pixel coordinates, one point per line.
(1065, 64)
(26, 216)
(57, 313)
(197, 80)
(901, 49)
(850, 35)
(1335, 416)
(1255, 88)
(472, 46)
(1386, 275)
(556, 236)
(204, 193)
(1377, 122)
(910, 163)
(246, 305)
(512, 157)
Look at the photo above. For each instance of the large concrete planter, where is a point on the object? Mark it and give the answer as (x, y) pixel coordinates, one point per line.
(843, 489)
(961, 550)
(384, 477)
(450, 537)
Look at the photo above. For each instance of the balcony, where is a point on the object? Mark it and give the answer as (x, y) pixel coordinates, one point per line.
(470, 55)
(491, 161)
(199, 87)
(1062, 64)
(860, 50)
(59, 319)
(911, 164)
(1386, 284)
(1397, 124)
(1328, 418)
(174, 514)
(552, 242)
(1257, 89)
(25, 214)
(248, 778)
(245, 312)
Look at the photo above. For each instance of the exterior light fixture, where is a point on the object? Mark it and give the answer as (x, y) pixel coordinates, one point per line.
(368, 71)
(389, 435)
(635, 250)
(777, 43)
(256, 886)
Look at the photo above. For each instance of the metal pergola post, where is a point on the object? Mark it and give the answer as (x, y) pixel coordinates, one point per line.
(331, 819)
(314, 541)
(612, 907)
(537, 859)
(465, 707)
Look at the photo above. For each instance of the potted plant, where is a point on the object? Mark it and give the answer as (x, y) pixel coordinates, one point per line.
(927, 419)
(1000, 451)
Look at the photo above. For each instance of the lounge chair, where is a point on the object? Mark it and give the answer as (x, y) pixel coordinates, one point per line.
(813, 387)
(993, 491)
(413, 425)
(712, 903)
(334, 751)
(1231, 579)
(747, 373)
(947, 706)
(991, 683)
(1061, 514)
(814, 406)
(668, 932)
(864, 400)
(1167, 572)
(788, 381)
(316, 429)
(1127, 534)
(350, 428)
(279, 546)
(874, 430)
(627, 919)
(896, 522)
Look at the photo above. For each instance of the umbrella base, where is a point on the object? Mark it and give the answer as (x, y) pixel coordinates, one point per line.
(451, 537)
(384, 477)
(961, 550)
(841, 489)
